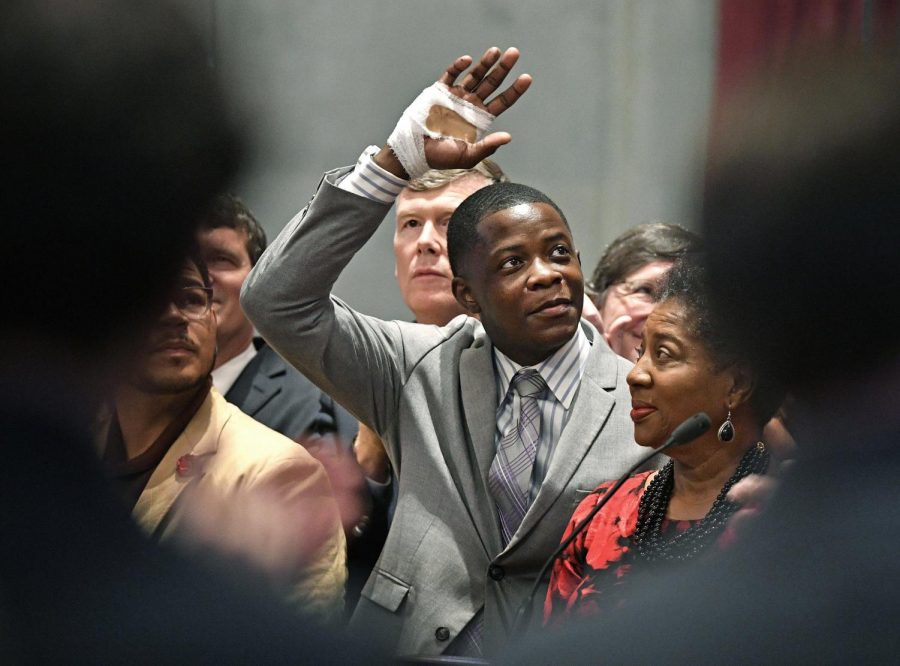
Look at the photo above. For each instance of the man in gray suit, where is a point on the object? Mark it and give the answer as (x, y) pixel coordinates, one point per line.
(472, 528)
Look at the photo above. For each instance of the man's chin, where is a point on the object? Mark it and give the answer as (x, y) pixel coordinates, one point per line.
(161, 385)
(554, 337)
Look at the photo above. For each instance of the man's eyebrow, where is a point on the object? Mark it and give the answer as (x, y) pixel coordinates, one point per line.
(507, 248)
(517, 247)
(559, 235)
(221, 248)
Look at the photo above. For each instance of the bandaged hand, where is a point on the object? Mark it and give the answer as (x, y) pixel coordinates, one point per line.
(446, 126)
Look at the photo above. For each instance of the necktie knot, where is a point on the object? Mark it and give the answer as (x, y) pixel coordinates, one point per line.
(528, 383)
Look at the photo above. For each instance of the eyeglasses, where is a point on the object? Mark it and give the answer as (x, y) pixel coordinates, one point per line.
(193, 302)
(637, 291)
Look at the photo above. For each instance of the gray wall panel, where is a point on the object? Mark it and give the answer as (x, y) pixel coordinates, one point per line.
(610, 128)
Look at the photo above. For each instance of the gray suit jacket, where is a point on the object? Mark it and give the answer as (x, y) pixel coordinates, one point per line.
(429, 393)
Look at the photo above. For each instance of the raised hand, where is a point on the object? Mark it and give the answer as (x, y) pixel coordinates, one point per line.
(455, 109)
(476, 87)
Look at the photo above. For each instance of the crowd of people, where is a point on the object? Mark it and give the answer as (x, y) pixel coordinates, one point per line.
(212, 457)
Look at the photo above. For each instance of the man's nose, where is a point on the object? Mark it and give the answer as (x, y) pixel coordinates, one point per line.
(543, 274)
(172, 314)
(429, 239)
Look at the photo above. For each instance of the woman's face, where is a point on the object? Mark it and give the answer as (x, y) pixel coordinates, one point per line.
(627, 303)
(673, 378)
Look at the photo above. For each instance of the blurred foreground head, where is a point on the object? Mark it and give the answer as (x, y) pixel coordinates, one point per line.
(115, 136)
(802, 217)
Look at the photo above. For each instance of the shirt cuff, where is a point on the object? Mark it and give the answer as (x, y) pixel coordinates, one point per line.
(371, 181)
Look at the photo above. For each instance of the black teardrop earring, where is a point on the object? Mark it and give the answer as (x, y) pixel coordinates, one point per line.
(726, 430)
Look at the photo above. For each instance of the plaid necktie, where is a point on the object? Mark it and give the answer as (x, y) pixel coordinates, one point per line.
(509, 478)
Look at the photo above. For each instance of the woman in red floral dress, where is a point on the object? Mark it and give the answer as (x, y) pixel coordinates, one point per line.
(685, 366)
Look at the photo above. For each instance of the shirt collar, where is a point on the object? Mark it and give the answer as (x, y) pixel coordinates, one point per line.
(227, 374)
(562, 370)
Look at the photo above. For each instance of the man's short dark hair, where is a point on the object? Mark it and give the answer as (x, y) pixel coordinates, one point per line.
(462, 230)
(687, 284)
(117, 136)
(229, 211)
(801, 211)
(640, 245)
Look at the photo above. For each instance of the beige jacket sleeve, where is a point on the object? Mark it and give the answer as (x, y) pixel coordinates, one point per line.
(307, 548)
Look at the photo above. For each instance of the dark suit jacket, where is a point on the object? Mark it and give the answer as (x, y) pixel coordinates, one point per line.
(278, 396)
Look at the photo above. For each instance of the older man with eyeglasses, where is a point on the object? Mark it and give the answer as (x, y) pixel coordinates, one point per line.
(194, 469)
(625, 282)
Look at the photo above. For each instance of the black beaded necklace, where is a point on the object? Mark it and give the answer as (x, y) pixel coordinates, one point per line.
(647, 539)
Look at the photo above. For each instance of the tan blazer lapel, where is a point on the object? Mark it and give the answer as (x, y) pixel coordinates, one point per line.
(477, 390)
(200, 439)
(591, 408)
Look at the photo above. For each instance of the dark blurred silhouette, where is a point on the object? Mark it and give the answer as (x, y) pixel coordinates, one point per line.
(115, 137)
(800, 214)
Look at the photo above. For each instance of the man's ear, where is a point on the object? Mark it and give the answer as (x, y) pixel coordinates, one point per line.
(464, 296)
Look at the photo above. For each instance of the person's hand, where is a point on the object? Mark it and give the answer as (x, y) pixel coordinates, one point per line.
(371, 456)
(613, 332)
(779, 439)
(348, 484)
(618, 334)
(277, 527)
(753, 493)
(479, 84)
(590, 312)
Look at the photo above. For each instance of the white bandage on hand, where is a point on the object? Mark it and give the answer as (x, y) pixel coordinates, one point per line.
(439, 114)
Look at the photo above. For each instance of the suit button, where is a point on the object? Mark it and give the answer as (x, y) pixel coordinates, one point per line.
(496, 572)
(442, 634)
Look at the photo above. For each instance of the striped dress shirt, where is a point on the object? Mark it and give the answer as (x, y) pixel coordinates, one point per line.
(562, 371)
(371, 181)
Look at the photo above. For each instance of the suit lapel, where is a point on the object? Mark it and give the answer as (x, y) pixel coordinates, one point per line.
(479, 400)
(254, 387)
(199, 439)
(590, 410)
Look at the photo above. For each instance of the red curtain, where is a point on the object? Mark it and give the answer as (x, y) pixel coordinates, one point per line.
(762, 33)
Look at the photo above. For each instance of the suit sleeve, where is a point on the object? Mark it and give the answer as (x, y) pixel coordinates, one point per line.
(356, 359)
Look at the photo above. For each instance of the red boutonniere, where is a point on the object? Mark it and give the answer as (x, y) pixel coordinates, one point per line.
(187, 465)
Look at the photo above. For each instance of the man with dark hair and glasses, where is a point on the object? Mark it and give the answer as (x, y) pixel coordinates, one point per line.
(194, 469)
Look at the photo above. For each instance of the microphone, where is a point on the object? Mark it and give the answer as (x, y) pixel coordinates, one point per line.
(687, 431)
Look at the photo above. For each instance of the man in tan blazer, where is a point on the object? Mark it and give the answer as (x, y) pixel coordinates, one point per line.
(198, 471)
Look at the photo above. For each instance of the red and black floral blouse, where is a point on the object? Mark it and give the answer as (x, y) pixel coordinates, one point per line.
(588, 577)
